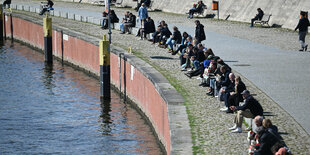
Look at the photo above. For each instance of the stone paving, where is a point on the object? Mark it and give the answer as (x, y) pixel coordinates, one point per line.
(209, 126)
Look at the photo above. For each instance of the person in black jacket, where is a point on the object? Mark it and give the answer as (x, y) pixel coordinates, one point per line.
(258, 16)
(7, 2)
(175, 38)
(236, 96)
(249, 109)
(48, 6)
(130, 23)
(266, 141)
(199, 32)
(303, 29)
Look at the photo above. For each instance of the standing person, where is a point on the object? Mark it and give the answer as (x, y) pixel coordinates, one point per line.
(199, 32)
(142, 13)
(7, 2)
(49, 5)
(258, 16)
(104, 24)
(303, 29)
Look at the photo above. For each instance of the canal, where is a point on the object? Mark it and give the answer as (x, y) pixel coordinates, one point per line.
(57, 110)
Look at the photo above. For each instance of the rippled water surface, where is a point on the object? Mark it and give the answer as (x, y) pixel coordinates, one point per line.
(57, 110)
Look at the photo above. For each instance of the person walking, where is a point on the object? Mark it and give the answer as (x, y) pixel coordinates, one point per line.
(199, 32)
(303, 29)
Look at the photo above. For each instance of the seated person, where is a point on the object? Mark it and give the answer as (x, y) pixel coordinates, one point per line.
(47, 7)
(258, 16)
(113, 16)
(164, 34)
(175, 38)
(266, 140)
(217, 83)
(125, 19)
(149, 26)
(105, 19)
(185, 57)
(196, 8)
(235, 96)
(225, 91)
(130, 23)
(250, 109)
(183, 43)
(7, 2)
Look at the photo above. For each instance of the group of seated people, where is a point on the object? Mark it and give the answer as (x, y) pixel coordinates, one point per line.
(223, 84)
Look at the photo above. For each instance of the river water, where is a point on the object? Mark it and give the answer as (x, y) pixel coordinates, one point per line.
(57, 110)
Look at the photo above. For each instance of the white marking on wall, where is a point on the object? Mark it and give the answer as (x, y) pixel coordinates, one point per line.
(132, 72)
(66, 37)
(55, 42)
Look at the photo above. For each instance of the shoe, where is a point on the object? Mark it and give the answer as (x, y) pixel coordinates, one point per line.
(233, 128)
(210, 93)
(224, 109)
(301, 50)
(183, 69)
(237, 130)
(306, 47)
(122, 33)
(174, 53)
(202, 84)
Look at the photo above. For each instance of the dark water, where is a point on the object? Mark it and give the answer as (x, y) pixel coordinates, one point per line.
(57, 110)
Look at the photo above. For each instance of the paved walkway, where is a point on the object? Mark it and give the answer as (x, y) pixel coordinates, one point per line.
(276, 72)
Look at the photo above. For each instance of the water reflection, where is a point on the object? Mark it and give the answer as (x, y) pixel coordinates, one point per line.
(57, 110)
(106, 117)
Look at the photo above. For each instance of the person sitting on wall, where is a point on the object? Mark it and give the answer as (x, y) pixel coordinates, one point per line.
(47, 7)
(130, 23)
(113, 17)
(258, 16)
(250, 109)
(196, 8)
(7, 2)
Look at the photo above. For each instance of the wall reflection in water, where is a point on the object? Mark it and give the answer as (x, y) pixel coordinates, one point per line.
(57, 110)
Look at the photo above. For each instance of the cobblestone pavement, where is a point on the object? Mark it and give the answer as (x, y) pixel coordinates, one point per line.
(209, 126)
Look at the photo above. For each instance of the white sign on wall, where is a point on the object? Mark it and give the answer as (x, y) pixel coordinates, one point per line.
(65, 37)
(132, 72)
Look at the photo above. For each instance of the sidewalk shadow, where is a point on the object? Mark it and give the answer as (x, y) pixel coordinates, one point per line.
(161, 57)
(268, 114)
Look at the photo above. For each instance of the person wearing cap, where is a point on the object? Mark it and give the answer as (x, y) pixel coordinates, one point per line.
(303, 30)
(249, 109)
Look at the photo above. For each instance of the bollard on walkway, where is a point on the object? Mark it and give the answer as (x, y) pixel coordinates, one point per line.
(47, 27)
(104, 53)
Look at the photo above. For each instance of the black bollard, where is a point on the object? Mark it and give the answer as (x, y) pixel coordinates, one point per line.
(1, 26)
(11, 19)
(4, 25)
(104, 53)
(47, 27)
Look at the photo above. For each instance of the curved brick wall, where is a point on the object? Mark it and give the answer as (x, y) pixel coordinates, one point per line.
(150, 91)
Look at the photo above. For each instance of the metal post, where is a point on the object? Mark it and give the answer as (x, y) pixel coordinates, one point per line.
(104, 53)
(218, 10)
(125, 59)
(47, 27)
(62, 47)
(12, 36)
(120, 72)
(109, 20)
(4, 25)
(1, 26)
